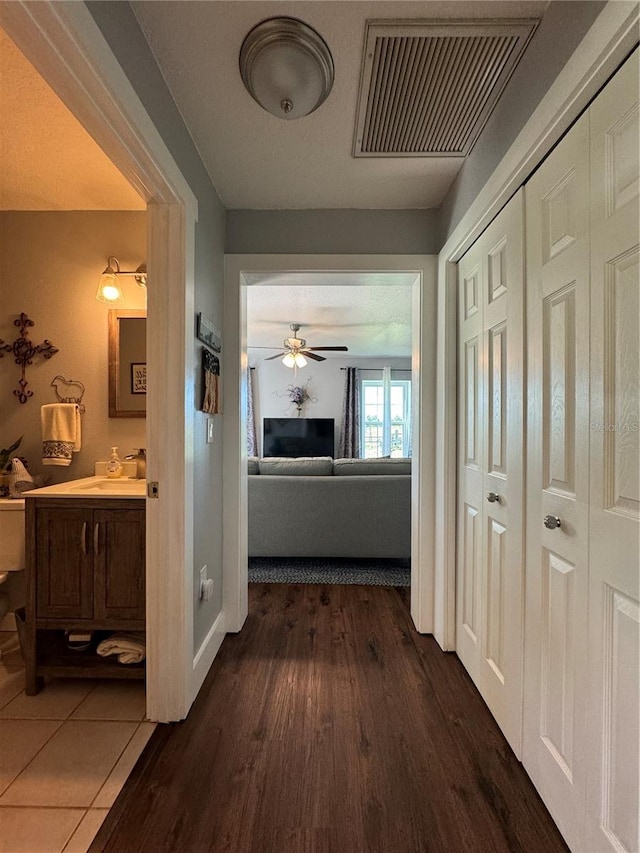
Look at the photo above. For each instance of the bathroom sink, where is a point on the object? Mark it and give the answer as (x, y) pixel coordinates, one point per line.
(114, 487)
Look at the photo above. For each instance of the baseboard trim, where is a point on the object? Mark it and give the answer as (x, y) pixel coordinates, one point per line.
(206, 654)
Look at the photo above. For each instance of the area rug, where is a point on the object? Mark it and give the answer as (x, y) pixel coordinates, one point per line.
(314, 570)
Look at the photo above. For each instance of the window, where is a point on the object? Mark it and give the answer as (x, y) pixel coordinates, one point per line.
(385, 419)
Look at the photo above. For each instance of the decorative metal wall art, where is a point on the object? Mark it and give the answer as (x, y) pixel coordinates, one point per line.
(24, 351)
(69, 391)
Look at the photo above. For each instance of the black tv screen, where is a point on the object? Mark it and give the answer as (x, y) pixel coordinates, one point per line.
(297, 437)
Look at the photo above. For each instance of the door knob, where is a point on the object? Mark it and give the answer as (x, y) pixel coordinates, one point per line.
(493, 498)
(551, 522)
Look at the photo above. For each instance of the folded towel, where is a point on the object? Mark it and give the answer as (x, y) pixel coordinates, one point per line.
(20, 479)
(130, 648)
(61, 432)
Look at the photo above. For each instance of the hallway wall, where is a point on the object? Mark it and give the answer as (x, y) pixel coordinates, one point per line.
(120, 28)
(348, 232)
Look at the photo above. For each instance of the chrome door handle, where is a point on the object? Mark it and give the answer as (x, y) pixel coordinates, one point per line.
(493, 498)
(96, 538)
(551, 522)
(83, 538)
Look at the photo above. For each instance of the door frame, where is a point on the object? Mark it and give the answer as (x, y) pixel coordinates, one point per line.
(66, 46)
(238, 270)
(610, 39)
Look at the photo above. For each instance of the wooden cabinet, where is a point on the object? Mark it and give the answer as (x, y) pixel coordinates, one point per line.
(85, 571)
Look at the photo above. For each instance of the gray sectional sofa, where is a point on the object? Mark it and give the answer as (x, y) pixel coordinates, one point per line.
(321, 507)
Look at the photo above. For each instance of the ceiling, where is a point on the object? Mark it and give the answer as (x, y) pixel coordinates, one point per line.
(47, 160)
(257, 161)
(369, 313)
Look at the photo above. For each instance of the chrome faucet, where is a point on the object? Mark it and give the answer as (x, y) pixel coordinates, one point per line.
(141, 463)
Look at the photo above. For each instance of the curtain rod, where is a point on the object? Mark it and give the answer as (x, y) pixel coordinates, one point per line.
(399, 369)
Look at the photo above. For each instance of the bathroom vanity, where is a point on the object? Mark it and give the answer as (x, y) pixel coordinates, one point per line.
(85, 570)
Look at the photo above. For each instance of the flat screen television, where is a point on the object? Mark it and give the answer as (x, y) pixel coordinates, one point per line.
(298, 437)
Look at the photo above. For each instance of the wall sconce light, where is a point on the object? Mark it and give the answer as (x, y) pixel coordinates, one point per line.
(294, 360)
(109, 289)
(287, 67)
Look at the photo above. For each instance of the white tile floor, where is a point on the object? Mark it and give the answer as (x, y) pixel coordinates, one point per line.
(64, 755)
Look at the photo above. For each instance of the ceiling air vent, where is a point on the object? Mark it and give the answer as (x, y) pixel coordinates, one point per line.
(427, 89)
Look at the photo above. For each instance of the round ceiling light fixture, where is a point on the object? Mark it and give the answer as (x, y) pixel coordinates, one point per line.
(286, 67)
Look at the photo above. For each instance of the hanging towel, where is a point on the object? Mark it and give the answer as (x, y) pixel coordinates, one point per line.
(61, 432)
(20, 479)
(130, 648)
(211, 378)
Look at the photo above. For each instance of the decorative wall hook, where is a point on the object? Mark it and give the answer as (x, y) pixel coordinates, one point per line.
(24, 351)
(69, 391)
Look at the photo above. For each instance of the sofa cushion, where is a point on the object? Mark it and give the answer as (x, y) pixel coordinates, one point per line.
(299, 466)
(252, 465)
(358, 467)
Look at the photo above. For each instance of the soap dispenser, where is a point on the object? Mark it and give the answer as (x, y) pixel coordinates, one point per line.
(114, 465)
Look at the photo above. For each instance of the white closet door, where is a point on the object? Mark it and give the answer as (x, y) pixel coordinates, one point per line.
(557, 215)
(614, 520)
(490, 536)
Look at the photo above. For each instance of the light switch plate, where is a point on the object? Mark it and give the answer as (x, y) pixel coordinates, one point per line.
(209, 430)
(203, 577)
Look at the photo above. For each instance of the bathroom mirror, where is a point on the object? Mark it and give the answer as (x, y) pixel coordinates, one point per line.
(127, 363)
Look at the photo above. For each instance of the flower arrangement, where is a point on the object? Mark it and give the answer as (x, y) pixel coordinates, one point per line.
(299, 395)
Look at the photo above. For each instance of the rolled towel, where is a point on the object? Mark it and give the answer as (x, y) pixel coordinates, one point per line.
(21, 480)
(61, 432)
(130, 648)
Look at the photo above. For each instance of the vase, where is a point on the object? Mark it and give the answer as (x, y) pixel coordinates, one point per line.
(299, 408)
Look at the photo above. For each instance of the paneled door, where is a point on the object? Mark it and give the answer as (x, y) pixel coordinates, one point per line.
(557, 215)
(581, 712)
(489, 574)
(614, 518)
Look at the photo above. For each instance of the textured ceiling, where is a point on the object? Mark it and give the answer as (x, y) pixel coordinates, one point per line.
(258, 161)
(47, 160)
(343, 311)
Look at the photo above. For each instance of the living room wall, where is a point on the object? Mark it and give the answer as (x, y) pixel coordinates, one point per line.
(323, 380)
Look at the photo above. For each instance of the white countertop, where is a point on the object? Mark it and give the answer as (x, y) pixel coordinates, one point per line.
(93, 487)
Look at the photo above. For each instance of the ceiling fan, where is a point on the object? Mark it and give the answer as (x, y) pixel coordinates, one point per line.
(296, 350)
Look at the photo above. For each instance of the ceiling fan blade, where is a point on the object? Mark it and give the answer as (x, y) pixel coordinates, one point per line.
(250, 346)
(307, 354)
(328, 349)
(277, 355)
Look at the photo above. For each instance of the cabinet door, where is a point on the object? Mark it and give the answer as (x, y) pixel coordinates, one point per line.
(63, 567)
(119, 564)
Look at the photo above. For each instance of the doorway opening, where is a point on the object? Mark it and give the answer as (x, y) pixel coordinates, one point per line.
(417, 273)
(67, 48)
(325, 504)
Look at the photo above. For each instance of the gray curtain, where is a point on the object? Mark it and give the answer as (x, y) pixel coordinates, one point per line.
(252, 443)
(349, 446)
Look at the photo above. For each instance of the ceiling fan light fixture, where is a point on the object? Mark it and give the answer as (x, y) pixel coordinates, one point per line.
(289, 360)
(287, 67)
(299, 360)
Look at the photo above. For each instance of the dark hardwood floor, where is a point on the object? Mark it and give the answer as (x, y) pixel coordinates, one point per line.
(329, 726)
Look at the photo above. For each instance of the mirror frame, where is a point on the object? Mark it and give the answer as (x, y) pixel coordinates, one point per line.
(115, 315)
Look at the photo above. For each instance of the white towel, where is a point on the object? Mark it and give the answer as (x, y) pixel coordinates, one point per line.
(61, 432)
(130, 648)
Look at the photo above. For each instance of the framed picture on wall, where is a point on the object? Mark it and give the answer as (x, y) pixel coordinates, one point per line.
(138, 378)
(208, 333)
